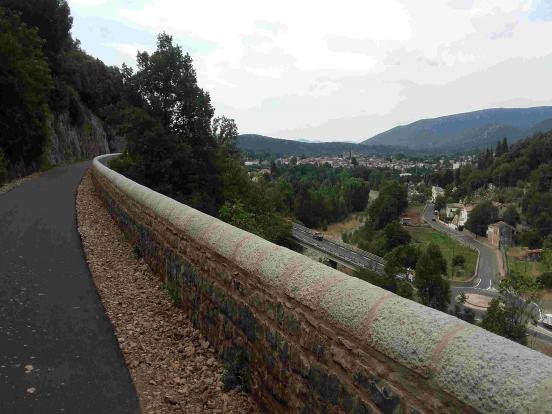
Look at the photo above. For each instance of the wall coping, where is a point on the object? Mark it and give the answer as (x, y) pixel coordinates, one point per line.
(483, 370)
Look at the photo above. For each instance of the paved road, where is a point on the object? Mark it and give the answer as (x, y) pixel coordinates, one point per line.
(51, 317)
(487, 272)
(357, 257)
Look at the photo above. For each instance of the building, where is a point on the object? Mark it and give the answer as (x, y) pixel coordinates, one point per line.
(435, 192)
(501, 234)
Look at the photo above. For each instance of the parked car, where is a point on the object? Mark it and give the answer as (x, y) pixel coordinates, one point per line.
(318, 236)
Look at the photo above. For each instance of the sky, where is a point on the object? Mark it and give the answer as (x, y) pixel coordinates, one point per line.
(338, 71)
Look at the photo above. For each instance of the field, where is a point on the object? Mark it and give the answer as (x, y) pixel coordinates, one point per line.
(517, 264)
(533, 269)
(335, 230)
(449, 247)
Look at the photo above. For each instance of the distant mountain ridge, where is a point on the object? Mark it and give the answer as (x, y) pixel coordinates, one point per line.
(259, 144)
(467, 131)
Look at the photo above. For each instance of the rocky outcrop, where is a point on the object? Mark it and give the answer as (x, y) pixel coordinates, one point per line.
(72, 141)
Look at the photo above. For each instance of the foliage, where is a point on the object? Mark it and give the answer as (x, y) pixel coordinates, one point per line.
(316, 194)
(458, 261)
(386, 281)
(25, 83)
(510, 313)
(530, 238)
(264, 223)
(390, 203)
(545, 280)
(433, 289)
(440, 202)
(51, 18)
(480, 217)
(511, 215)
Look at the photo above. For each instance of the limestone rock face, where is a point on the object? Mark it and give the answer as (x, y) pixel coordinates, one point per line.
(73, 141)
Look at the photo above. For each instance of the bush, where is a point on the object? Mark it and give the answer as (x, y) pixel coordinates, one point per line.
(530, 238)
(546, 280)
(458, 261)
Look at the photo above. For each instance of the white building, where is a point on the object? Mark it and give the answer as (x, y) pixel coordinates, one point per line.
(458, 213)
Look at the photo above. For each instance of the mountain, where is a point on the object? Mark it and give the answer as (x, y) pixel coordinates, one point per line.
(467, 131)
(259, 144)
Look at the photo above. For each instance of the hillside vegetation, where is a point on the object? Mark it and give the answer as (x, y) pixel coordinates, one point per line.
(259, 145)
(52, 91)
(468, 131)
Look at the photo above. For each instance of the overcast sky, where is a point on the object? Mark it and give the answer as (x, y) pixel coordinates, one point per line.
(339, 70)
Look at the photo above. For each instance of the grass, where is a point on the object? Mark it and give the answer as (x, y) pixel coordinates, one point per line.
(352, 222)
(532, 269)
(517, 264)
(449, 247)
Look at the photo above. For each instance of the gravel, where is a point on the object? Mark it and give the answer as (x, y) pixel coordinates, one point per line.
(173, 367)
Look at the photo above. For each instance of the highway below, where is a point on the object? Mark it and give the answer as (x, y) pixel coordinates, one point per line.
(353, 257)
(484, 283)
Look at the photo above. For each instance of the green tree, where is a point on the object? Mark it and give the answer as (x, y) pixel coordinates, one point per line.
(511, 215)
(392, 200)
(458, 261)
(433, 289)
(395, 235)
(512, 311)
(52, 19)
(172, 143)
(385, 281)
(480, 217)
(25, 84)
(440, 202)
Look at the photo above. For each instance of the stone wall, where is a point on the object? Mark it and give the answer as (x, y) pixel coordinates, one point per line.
(306, 338)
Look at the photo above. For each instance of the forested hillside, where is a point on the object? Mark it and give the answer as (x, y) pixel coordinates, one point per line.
(522, 175)
(469, 131)
(57, 101)
(256, 145)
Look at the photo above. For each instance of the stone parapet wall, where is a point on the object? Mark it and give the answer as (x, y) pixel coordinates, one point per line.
(307, 338)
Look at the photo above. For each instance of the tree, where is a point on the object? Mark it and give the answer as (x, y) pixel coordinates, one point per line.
(440, 202)
(511, 215)
(52, 18)
(458, 261)
(390, 203)
(385, 281)
(25, 84)
(480, 217)
(510, 313)
(395, 235)
(433, 289)
(177, 152)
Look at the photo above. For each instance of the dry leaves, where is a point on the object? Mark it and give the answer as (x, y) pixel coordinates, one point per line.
(173, 367)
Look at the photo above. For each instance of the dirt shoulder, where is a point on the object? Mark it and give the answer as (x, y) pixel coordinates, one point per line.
(173, 367)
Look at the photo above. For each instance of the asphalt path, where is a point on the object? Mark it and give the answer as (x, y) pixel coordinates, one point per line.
(355, 257)
(58, 352)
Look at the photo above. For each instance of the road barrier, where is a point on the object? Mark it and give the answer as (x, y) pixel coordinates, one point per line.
(305, 338)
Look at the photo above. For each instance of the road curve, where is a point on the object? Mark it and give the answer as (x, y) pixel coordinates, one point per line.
(58, 352)
(487, 271)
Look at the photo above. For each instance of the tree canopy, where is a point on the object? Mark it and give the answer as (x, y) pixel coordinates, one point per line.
(433, 288)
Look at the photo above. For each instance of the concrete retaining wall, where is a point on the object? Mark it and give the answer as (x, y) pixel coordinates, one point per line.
(311, 339)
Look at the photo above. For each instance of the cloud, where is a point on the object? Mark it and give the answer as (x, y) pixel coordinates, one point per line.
(325, 70)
